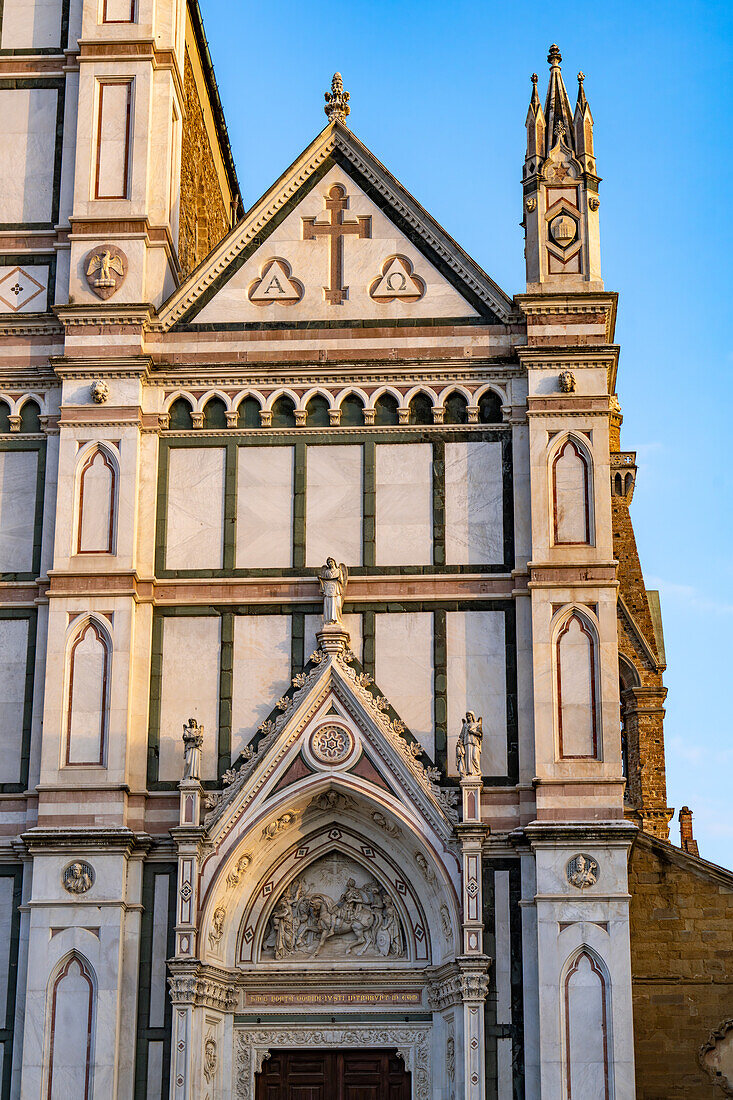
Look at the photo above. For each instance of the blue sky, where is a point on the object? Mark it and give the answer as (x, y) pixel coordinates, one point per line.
(439, 92)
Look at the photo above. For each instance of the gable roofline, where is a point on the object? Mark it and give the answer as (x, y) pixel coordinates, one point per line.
(686, 861)
(338, 144)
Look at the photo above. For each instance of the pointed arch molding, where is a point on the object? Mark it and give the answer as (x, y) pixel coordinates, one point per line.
(97, 483)
(585, 993)
(576, 681)
(332, 837)
(87, 694)
(571, 478)
(72, 1018)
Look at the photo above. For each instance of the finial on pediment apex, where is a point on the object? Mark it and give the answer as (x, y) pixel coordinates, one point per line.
(337, 100)
(554, 57)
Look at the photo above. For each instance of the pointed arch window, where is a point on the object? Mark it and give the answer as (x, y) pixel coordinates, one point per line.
(571, 495)
(576, 689)
(72, 1018)
(97, 504)
(88, 696)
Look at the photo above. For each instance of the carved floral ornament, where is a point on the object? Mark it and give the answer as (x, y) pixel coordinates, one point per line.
(716, 1057)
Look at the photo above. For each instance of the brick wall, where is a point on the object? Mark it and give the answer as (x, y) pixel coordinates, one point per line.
(682, 967)
(204, 217)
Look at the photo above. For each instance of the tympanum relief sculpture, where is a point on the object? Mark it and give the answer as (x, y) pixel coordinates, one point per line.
(334, 908)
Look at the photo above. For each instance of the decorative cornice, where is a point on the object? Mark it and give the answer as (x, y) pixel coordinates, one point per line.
(136, 314)
(611, 834)
(91, 839)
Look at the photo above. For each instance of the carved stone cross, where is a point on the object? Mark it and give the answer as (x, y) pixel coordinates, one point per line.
(335, 230)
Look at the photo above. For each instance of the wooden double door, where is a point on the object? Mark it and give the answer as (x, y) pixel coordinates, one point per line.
(333, 1075)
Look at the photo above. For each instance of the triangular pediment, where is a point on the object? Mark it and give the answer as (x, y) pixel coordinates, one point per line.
(335, 732)
(336, 239)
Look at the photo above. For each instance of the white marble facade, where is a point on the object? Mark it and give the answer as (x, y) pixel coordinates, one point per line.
(170, 578)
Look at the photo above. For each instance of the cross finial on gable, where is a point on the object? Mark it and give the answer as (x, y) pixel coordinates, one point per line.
(337, 100)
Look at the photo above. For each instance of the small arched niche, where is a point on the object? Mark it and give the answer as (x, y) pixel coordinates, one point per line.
(97, 503)
(585, 992)
(571, 494)
(87, 711)
(577, 703)
(72, 1017)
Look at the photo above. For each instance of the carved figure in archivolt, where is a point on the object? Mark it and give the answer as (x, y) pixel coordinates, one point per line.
(333, 579)
(468, 748)
(326, 913)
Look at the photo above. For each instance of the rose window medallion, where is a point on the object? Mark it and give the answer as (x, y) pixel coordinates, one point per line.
(332, 744)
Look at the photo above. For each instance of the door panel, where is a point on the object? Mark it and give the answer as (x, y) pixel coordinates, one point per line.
(333, 1075)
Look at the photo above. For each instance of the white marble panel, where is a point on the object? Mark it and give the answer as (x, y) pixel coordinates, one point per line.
(476, 659)
(113, 139)
(13, 658)
(404, 504)
(352, 623)
(577, 702)
(570, 487)
(586, 1023)
(404, 670)
(334, 496)
(159, 952)
(88, 698)
(70, 1037)
(117, 11)
(30, 24)
(23, 289)
(189, 689)
(27, 163)
(262, 666)
(96, 500)
(265, 507)
(6, 923)
(18, 471)
(474, 503)
(154, 1090)
(503, 982)
(195, 523)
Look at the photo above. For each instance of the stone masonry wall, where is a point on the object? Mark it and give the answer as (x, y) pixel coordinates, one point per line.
(204, 218)
(642, 703)
(682, 967)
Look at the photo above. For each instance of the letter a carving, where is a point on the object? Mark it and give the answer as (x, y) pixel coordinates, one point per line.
(276, 284)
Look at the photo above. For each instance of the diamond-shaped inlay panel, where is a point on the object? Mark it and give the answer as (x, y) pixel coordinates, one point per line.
(402, 889)
(248, 934)
(186, 891)
(18, 288)
(472, 887)
(302, 852)
(367, 851)
(419, 932)
(267, 888)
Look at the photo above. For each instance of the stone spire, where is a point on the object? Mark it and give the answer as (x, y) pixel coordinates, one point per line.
(583, 126)
(337, 100)
(535, 131)
(557, 105)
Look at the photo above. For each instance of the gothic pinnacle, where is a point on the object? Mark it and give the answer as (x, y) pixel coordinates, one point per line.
(554, 57)
(337, 100)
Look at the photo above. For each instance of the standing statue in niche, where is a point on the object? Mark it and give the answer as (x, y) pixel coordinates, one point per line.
(193, 739)
(333, 579)
(468, 748)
